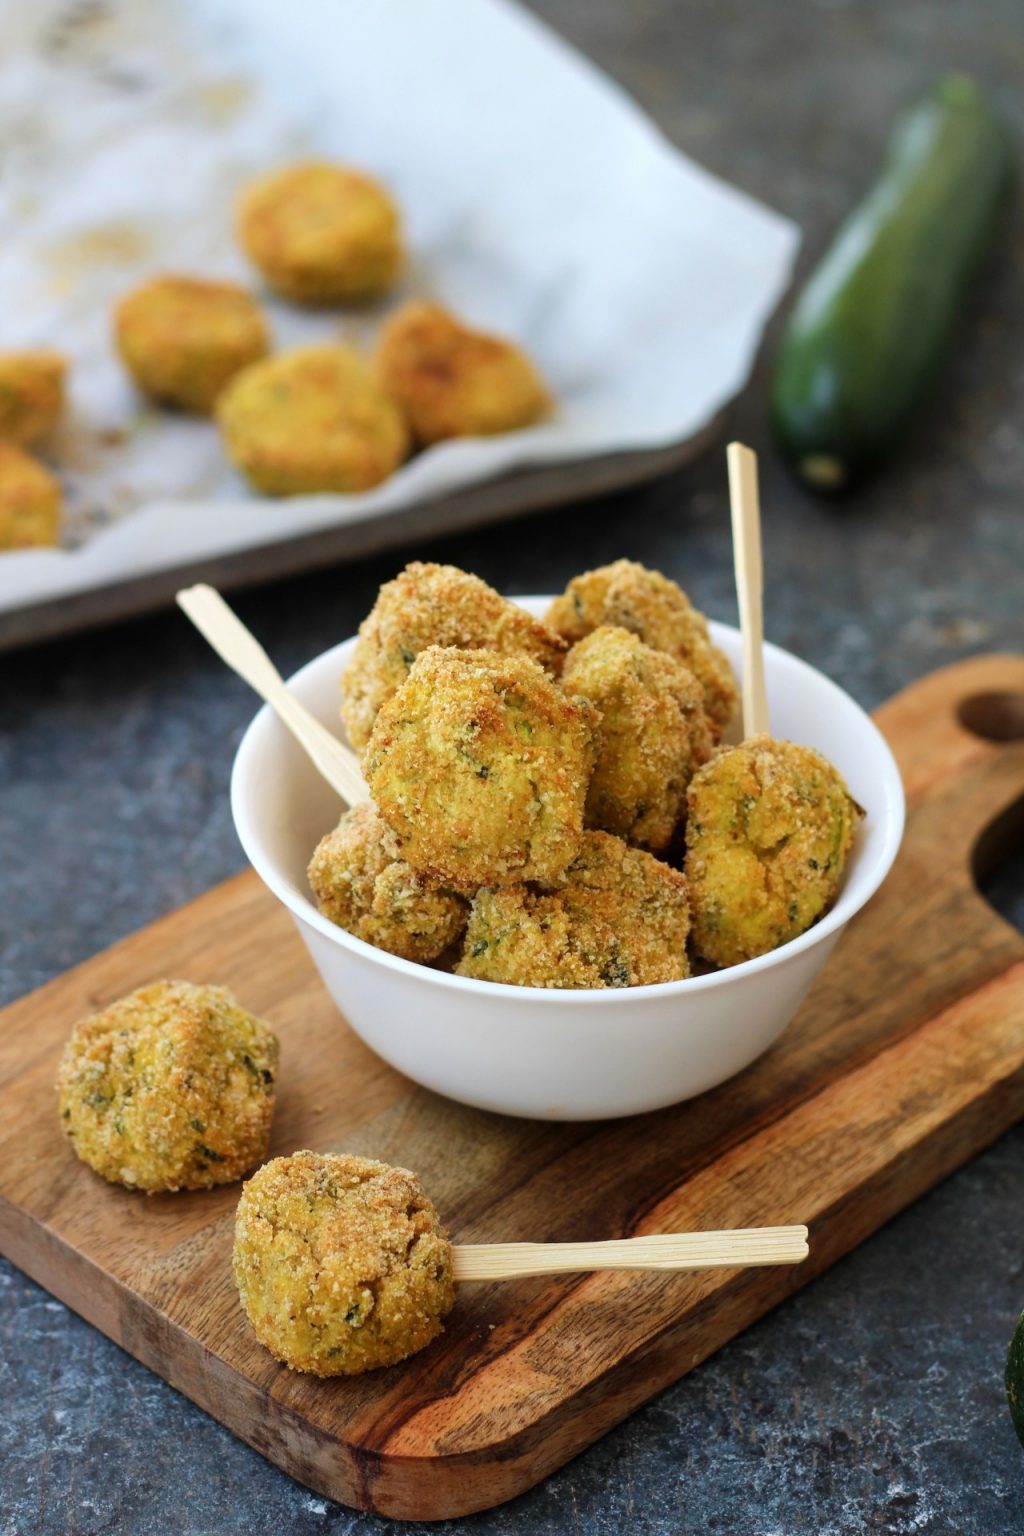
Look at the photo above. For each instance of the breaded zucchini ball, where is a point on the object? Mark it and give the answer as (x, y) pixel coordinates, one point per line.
(768, 829)
(382, 900)
(341, 1263)
(479, 764)
(432, 605)
(652, 736)
(31, 395)
(171, 1087)
(648, 604)
(310, 420)
(452, 381)
(183, 338)
(30, 501)
(619, 919)
(321, 233)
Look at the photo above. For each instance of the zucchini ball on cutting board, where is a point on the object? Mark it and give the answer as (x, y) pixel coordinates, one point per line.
(171, 1087)
(341, 1263)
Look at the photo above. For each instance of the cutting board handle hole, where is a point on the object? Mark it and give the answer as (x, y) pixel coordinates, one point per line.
(998, 864)
(995, 716)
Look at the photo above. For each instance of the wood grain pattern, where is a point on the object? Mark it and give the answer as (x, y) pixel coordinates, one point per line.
(907, 1058)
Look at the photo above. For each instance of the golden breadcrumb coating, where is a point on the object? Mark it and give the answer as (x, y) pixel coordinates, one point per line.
(171, 1087)
(452, 381)
(382, 900)
(652, 736)
(183, 338)
(648, 604)
(31, 395)
(432, 605)
(30, 501)
(619, 919)
(768, 830)
(310, 420)
(321, 233)
(479, 765)
(341, 1263)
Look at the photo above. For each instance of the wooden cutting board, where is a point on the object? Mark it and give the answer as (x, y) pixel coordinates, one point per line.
(907, 1058)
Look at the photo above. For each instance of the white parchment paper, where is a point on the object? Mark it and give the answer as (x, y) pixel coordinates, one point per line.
(538, 200)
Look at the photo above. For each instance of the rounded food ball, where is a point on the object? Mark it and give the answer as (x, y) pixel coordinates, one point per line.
(321, 233)
(452, 381)
(183, 338)
(629, 596)
(310, 420)
(653, 734)
(768, 829)
(619, 919)
(433, 605)
(382, 900)
(479, 764)
(30, 501)
(31, 395)
(171, 1087)
(341, 1263)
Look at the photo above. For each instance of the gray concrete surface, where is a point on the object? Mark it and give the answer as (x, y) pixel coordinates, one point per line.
(873, 1401)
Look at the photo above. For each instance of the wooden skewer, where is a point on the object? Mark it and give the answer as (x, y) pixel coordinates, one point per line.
(243, 653)
(746, 546)
(741, 1248)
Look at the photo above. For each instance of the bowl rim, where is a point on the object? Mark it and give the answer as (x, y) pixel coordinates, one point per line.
(833, 921)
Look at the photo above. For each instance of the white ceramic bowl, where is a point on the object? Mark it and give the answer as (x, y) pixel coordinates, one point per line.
(562, 1055)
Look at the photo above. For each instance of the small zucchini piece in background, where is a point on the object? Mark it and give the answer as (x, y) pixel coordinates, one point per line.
(868, 331)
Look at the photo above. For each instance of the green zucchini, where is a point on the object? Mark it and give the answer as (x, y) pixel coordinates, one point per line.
(869, 329)
(1015, 1377)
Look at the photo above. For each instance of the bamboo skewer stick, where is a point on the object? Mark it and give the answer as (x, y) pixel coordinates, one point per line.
(746, 544)
(741, 1248)
(235, 645)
